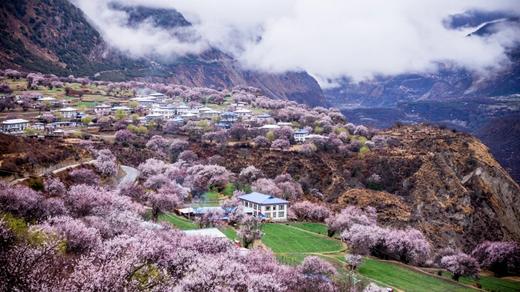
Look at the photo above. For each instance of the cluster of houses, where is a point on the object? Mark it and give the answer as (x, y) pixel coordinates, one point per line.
(157, 108)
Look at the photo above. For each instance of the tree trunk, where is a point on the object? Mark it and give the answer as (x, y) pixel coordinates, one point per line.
(456, 277)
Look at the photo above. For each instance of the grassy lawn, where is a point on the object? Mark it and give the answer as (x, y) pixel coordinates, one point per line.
(230, 232)
(281, 238)
(318, 228)
(490, 283)
(177, 221)
(405, 279)
(209, 199)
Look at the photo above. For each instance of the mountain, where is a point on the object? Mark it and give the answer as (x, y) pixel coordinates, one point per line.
(454, 97)
(54, 36)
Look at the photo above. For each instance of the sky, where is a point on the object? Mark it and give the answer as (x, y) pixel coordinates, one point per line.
(330, 39)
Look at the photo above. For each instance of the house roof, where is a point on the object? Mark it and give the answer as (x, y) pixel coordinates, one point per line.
(210, 232)
(270, 127)
(68, 109)
(262, 199)
(301, 131)
(15, 121)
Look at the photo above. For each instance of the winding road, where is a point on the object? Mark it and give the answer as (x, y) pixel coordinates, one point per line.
(130, 177)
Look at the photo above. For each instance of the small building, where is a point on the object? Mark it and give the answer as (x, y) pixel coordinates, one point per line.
(69, 113)
(208, 232)
(48, 100)
(144, 101)
(122, 108)
(243, 112)
(164, 111)
(266, 206)
(300, 135)
(177, 120)
(181, 109)
(228, 117)
(209, 114)
(190, 116)
(14, 126)
(102, 109)
(263, 117)
(153, 117)
(269, 127)
(284, 124)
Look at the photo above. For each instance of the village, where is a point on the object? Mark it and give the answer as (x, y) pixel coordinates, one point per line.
(149, 158)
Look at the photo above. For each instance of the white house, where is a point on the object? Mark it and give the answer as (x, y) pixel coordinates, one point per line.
(122, 108)
(181, 109)
(144, 101)
(165, 112)
(269, 127)
(14, 126)
(300, 135)
(69, 113)
(243, 112)
(102, 109)
(48, 100)
(266, 206)
(153, 117)
(207, 113)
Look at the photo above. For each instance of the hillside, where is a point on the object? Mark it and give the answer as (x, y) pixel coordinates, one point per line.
(53, 36)
(447, 184)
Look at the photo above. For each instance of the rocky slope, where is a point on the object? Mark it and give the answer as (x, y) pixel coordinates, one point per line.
(446, 183)
(53, 36)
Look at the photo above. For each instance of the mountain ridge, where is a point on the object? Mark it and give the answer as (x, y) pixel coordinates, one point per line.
(37, 36)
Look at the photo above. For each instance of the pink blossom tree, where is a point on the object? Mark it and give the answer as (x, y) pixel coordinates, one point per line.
(309, 211)
(249, 230)
(211, 218)
(106, 163)
(280, 144)
(151, 167)
(501, 257)
(461, 264)
(349, 216)
(125, 137)
(54, 186)
(353, 260)
(262, 142)
(317, 275)
(250, 174)
(165, 200)
(84, 176)
(78, 237)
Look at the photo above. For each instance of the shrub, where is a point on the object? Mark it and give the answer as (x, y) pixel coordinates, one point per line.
(501, 257)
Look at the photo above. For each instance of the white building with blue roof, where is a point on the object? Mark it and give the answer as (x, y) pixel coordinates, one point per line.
(266, 206)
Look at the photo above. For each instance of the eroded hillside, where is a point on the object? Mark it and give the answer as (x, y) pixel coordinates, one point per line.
(446, 183)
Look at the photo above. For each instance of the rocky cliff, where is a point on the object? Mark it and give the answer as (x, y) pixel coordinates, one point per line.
(445, 183)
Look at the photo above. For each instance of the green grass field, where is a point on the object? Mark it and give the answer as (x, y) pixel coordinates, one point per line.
(281, 238)
(405, 279)
(177, 221)
(318, 228)
(490, 283)
(230, 232)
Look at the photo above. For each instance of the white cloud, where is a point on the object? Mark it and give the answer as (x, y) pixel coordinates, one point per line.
(329, 38)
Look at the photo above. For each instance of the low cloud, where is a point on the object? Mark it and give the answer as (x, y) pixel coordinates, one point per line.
(330, 39)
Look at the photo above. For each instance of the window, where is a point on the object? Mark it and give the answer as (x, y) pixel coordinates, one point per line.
(268, 215)
(268, 208)
(281, 214)
(281, 207)
(274, 214)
